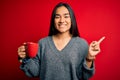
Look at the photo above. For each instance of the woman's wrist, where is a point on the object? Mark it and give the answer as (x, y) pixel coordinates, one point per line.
(20, 59)
(89, 60)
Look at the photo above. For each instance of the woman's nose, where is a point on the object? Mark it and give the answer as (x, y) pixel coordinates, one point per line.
(62, 20)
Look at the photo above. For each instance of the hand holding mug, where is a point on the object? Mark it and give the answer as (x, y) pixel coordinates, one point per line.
(28, 49)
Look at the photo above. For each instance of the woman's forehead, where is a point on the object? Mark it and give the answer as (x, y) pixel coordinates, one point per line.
(62, 10)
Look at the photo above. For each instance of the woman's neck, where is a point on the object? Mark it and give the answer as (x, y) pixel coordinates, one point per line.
(61, 40)
(62, 35)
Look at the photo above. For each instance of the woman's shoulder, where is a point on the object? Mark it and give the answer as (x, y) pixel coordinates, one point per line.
(81, 40)
(44, 39)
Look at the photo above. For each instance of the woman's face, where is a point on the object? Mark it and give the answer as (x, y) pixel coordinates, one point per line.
(62, 20)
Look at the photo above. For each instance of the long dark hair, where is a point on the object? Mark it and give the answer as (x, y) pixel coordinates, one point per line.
(73, 30)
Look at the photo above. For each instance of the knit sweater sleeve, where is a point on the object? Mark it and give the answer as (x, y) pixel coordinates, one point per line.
(87, 72)
(31, 66)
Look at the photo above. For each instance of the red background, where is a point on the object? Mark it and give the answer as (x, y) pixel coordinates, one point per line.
(26, 20)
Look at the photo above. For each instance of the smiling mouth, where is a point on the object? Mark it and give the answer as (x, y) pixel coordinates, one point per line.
(61, 24)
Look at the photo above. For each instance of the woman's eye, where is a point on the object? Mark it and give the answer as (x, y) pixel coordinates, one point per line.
(67, 16)
(57, 16)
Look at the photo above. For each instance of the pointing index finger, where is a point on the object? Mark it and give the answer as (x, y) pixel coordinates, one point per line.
(101, 39)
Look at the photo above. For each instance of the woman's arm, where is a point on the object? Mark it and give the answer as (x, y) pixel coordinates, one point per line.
(94, 49)
(31, 67)
(88, 63)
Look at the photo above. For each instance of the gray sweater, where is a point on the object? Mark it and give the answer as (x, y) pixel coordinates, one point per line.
(52, 64)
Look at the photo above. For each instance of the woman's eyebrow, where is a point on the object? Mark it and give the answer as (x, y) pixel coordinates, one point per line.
(57, 14)
(66, 14)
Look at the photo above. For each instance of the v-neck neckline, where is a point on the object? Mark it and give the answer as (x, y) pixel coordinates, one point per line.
(54, 48)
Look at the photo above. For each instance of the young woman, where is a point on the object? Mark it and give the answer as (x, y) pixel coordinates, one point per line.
(63, 55)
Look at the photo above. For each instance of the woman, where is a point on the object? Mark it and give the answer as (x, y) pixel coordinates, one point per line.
(63, 55)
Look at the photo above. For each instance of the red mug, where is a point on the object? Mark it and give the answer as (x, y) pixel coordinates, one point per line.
(32, 49)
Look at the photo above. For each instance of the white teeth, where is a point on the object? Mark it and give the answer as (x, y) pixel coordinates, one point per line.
(61, 24)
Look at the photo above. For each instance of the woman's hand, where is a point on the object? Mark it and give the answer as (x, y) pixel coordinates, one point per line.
(22, 52)
(94, 49)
